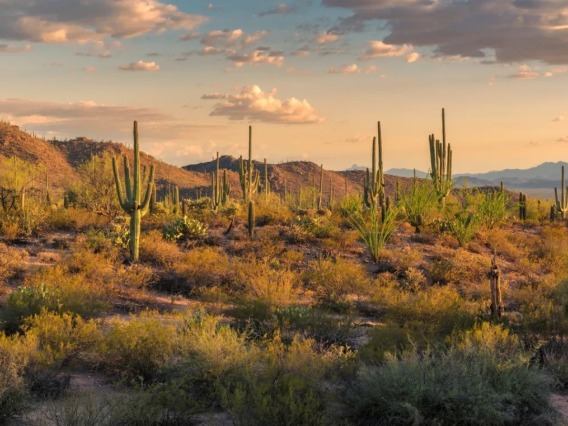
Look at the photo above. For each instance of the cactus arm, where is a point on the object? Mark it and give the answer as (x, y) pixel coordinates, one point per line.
(149, 191)
(118, 185)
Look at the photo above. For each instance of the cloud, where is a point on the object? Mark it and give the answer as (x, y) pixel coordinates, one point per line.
(524, 72)
(253, 104)
(257, 57)
(10, 48)
(279, 9)
(559, 118)
(378, 49)
(171, 138)
(190, 36)
(77, 21)
(413, 57)
(325, 38)
(506, 31)
(562, 139)
(89, 70)
(224, 40)
(352, 69)
(236, 44)
(140, 66)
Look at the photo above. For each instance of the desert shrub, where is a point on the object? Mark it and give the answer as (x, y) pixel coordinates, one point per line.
(59, 337)
(184, 229)
(318, 226)
(375, 230)
(154, 249)
(431, 313)
(85, 408)
(463, 225)
(59, 218)
(554, 358)
(138, 348)
(54, 290)
(271, 210)
(552, 248)
(334, 280)
(15, 353)
(59, 340)
(265, 280)
(208, 357)
(419, 203)
(492, 208)
(285, 389)
(450, 387)
(10, 259)
(442, 270)
(201, 267)
(349, 205)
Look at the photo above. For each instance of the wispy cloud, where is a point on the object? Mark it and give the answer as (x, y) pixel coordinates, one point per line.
(279, 9)
(252, 103)
(524, 72)
(12, 48)
(352, 69)
(140, 66)
(75, 21)
(379, 49)
(325, 38)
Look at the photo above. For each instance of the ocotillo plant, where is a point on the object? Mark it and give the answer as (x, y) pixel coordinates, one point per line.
(248, 176)
(131, 202)
(562, 203)
(374, 184)
(441, 163)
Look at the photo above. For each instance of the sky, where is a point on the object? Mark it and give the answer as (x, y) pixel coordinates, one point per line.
(312, 77)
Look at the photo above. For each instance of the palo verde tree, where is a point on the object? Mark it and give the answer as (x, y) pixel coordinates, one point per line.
(131, 201)
(95, 189)
(17, 179)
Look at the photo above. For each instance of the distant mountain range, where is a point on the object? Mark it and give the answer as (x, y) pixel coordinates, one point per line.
(544, 176)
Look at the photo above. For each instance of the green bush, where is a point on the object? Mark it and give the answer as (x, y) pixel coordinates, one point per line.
(334, 280)
(15, 353)
(138, 348)
(184, 229)
(453, 387)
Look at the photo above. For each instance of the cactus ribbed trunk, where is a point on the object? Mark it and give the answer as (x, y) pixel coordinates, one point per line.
(497, 307)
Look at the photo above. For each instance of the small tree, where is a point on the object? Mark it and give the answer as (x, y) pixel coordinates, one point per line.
(96, 189)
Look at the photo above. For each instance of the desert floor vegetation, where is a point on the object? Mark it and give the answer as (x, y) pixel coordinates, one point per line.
(426, 306)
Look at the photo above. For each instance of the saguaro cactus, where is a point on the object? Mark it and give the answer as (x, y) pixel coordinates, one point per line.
(251, 219)
(375, 181)
(266, 181)
(248, 176)
(131, 202)
(562, 202)
(522, 206)
(441, 163)
(494, 274)
(320, 190)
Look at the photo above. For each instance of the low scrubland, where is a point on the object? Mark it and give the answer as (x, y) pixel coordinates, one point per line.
(337, 315)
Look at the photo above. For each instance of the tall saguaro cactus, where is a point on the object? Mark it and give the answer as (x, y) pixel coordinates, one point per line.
(130, 201)
(375, 181)
(248, 176)
(562, 203)
(441, 163)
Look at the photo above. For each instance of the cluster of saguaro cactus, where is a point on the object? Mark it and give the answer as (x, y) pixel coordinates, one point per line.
(562, 202)
(131, 201)
(220, 188)
(374, 184)
(441, 163)
(248, 176)
(522, 206)
(171, 199)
